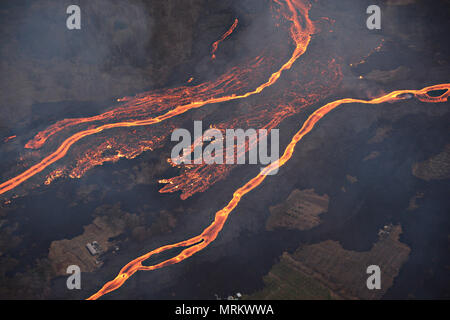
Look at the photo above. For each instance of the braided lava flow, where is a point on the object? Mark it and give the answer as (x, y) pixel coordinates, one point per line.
(208, 235)
(301, 30)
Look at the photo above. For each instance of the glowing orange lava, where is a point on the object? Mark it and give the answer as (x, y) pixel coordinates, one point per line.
(9, 138)
(215, 45)
(301, 31)
(157, 106)
(208, 235)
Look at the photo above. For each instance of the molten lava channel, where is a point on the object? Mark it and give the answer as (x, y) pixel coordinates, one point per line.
(301, 35)
(295, 11)
(208, 235)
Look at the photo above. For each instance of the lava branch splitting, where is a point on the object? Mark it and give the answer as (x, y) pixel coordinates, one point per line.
(210, 233)
(301, 36)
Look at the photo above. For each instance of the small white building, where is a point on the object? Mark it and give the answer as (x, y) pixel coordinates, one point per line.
(94, 248)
